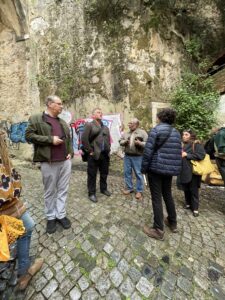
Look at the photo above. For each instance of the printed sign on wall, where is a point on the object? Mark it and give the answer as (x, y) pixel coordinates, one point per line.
(113, 122)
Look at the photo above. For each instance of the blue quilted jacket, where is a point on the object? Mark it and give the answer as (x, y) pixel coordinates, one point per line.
(165, 160)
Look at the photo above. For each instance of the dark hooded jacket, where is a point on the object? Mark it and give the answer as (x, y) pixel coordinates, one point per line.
(162, 157)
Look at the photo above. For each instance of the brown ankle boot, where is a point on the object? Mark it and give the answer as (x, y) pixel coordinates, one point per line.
(25, 279)
(154, 233)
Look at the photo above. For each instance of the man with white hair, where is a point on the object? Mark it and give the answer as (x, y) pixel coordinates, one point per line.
(53, 149)
(133, 143)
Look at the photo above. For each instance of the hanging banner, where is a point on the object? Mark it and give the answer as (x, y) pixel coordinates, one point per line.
(113, 122)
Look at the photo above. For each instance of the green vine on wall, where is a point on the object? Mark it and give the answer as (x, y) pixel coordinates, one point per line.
(105, 14)
(193, 47)
(104, 10)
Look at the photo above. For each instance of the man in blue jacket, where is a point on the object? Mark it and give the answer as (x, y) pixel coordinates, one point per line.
(161, 161)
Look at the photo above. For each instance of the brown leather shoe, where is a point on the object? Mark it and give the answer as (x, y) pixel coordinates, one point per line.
(25, 279)
(127, 192)
(154, 233)
(138, 196)
(172, 227)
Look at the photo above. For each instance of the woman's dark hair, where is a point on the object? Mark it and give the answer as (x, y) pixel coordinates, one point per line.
(193, 136)
(167, 115)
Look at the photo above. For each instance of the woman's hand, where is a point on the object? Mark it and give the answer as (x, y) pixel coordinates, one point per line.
(184, 154)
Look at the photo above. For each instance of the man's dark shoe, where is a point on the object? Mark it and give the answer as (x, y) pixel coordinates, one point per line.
(93, 198)
(106, 192)
(172, 227)
(154, 233)
(51, 226)
(65, 222)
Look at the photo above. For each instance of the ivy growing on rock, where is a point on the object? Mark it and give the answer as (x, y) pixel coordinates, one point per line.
(105, 10)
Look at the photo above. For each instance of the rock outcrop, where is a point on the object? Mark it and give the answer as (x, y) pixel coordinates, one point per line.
(124, 56)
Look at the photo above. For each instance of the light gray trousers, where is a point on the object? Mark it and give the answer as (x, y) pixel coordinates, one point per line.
(56, 177)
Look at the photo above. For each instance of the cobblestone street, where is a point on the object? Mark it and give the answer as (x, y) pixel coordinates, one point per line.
(105, 255)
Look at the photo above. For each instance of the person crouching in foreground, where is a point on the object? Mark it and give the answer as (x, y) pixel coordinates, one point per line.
(161, 161)
(13, 209)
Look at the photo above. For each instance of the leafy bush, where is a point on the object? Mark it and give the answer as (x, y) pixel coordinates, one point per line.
(196, 103)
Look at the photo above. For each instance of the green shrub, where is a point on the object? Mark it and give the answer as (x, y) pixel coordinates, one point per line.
(196, 102)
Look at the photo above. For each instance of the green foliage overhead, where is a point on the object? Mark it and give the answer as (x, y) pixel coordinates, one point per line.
(196, 103)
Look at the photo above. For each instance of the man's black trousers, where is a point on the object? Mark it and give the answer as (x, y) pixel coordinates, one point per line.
(102, 164)
(160, 186)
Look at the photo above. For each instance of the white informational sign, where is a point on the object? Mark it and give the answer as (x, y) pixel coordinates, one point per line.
(66, 116)
(115, 131)
(113, 122)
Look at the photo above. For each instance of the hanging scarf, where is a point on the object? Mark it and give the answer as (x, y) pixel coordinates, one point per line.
(10, 229)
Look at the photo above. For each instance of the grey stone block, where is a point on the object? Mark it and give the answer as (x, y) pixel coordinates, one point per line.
(144, 287)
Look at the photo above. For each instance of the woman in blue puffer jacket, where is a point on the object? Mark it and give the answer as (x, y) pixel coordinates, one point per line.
(161, 161)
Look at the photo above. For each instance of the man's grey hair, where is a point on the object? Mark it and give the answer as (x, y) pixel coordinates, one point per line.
(51, 98)
(136, 121)
(94, 110)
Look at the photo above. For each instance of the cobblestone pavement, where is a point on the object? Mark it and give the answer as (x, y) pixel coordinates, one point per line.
(105, 255)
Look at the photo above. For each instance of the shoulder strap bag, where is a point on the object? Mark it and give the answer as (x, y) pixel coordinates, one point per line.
(157, 147)
(202, 167)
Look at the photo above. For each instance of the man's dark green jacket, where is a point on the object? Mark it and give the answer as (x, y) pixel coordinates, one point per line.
(38, 132)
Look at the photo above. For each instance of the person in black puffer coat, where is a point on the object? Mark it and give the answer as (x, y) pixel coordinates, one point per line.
(190, 183)
(162, 160)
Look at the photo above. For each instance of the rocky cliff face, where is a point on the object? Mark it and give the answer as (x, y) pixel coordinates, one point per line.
(119, 55)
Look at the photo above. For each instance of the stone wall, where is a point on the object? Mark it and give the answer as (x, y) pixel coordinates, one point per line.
(119, 65)
(94, 53)
(18, 88)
